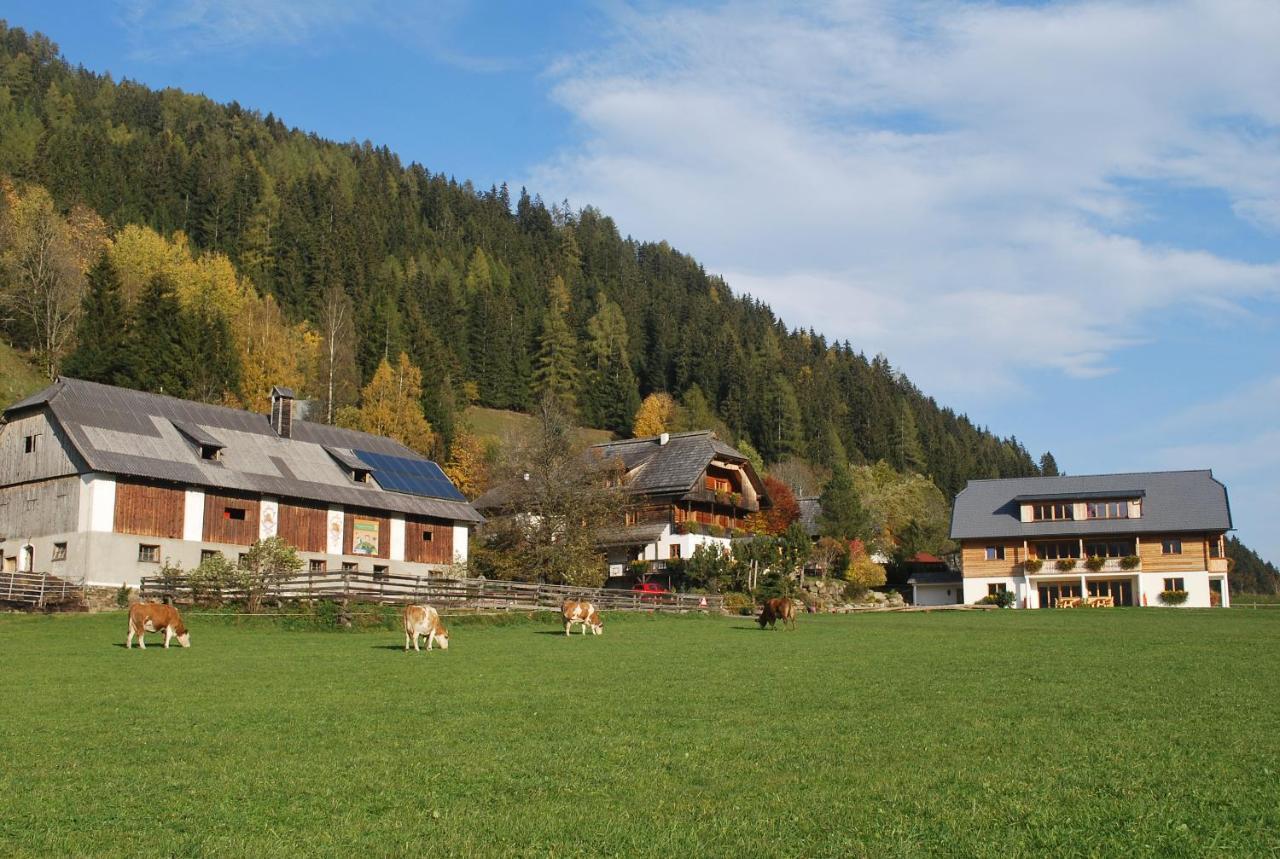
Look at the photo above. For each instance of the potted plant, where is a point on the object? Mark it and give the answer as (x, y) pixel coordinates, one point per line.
(1095, 563)
(1130, 562)
(1173, 597)
(1032, 565)
(1065, 565)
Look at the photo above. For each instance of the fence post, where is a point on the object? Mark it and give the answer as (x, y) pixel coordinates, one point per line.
(44, 580)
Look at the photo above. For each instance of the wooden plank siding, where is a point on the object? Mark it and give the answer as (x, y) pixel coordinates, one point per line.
(149, 510)
(1195, 554)
(436, 550)
(974, 563)
(303, 525)
(219, 527)
(40, 508)
(384, 533)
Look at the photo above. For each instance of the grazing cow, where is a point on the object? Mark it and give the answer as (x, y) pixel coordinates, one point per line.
(583, 612)
(780, 609)
(424, 620)
(147, 617)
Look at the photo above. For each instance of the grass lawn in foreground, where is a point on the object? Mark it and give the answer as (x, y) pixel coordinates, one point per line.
(999, 733)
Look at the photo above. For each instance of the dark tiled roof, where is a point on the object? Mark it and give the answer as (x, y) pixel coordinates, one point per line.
(1172, 501)
(935, 577)
(137, 434)
(674, 467)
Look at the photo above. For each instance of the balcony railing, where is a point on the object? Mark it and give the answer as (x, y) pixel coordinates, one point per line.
(1109, 565)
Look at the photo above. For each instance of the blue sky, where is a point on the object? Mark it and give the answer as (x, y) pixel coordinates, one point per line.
(1060, 218)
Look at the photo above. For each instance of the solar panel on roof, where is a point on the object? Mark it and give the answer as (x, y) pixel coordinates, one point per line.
(411, 476)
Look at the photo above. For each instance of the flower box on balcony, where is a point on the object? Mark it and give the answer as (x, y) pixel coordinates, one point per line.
(1094, 564)
(1065, 565)
(1032, 565)
(1130, 562)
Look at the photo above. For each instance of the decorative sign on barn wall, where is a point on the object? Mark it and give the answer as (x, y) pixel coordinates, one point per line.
(334, 532)
(364, 537)
(268, 516)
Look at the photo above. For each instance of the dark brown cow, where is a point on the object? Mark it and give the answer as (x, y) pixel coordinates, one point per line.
(780, 609)
(147, 617)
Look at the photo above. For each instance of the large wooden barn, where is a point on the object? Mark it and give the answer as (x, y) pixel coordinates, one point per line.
(106, 484)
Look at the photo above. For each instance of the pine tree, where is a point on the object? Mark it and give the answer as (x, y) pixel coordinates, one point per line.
(159, 359)
(556, 372)
(1048, 465)
(843, 515)
(101, 353)
(908, 454)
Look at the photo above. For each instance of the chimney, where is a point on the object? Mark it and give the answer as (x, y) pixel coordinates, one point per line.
(663, 438)
(282, 411)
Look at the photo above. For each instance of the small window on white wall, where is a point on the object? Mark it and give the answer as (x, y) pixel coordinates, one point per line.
(674, 551)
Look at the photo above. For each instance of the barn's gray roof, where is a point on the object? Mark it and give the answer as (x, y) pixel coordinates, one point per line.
(137, 434)
(671, 468)
(810, 512)
(1172, 501)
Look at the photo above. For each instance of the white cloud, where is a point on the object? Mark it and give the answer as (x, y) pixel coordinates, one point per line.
(939, 181)
(206, 26)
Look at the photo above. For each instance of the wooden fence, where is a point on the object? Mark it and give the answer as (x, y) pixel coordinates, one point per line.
(439, 592)
(39, 589)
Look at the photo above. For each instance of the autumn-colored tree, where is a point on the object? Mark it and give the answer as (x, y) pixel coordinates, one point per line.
(269, 350)
(862, 572)
(468, 465)
(785, 509)
(655, 416)
(391, 405)
(43, 259)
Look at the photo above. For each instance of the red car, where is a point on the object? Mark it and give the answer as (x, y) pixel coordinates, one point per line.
(650, 591)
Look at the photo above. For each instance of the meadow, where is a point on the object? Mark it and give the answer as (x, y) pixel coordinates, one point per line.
(1122, 732)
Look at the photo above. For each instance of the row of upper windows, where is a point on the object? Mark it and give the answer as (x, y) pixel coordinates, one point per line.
(1052, 550)
(1062, 510)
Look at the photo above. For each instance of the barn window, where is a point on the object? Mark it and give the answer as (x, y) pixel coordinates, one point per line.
(148, 554)
(349, 567)
(242, 560)
(208, 554)
(380, 571)
(59, 551)
(315, 565)
(428, 536)
(235, 514)
(29, 443)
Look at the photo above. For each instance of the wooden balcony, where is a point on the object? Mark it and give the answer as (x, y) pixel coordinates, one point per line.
(1110, 566)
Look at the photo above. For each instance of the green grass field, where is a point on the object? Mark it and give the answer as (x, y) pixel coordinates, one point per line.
(17, 377)
(1124, 732)
(505, 427)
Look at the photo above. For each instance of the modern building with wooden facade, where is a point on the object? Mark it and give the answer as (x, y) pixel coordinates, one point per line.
(1128, 539)
(106, 484)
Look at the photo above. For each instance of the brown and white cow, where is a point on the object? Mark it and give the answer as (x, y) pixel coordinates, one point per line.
(147, 617)
(780, 609)
(583, 612)
(424, 620)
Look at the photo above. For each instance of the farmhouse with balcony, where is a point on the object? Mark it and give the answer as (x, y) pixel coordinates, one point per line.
(684, 490)
(106, 483)
(1138, 539)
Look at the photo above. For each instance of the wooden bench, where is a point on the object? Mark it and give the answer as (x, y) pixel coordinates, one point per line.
(1068, 602)
(1101, 602)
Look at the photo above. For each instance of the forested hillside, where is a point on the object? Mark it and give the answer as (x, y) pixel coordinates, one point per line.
(342, 250)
